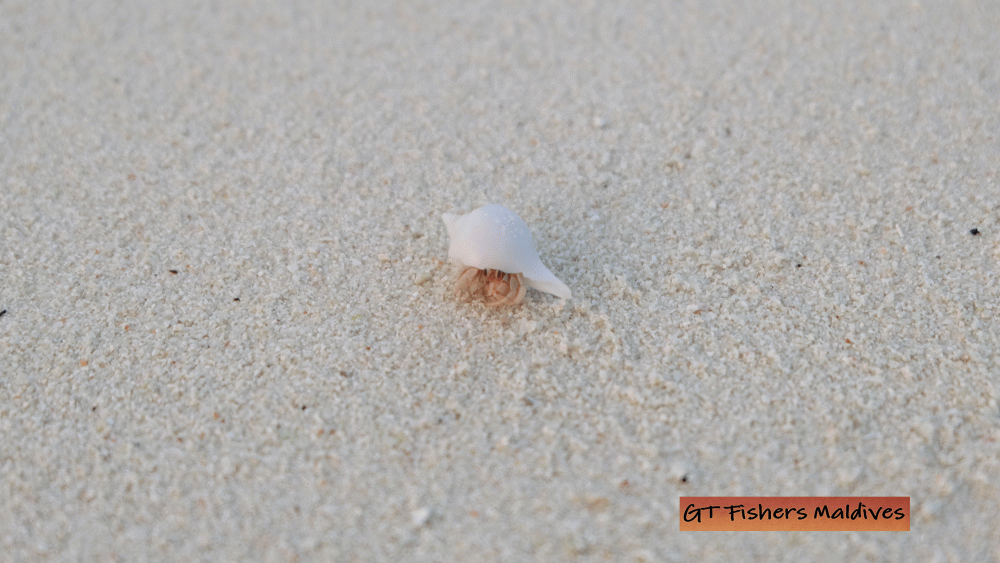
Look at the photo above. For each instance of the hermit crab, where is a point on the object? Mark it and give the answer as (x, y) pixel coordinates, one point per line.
(496, 257)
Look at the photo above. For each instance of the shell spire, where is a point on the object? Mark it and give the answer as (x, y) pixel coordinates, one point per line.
(495, 238)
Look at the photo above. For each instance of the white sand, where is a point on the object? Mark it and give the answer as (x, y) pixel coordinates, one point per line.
(764, 215)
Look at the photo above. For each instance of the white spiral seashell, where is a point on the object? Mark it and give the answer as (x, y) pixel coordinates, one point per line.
(495, 238)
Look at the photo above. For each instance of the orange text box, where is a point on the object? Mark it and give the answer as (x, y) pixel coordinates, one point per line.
(817, 514)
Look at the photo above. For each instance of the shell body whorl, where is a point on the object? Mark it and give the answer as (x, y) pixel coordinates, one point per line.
(494, 237)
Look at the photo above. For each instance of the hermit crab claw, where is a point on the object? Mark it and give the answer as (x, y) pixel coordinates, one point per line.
(495, 241)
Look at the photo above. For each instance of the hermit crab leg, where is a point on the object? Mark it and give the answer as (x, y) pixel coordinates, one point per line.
(469, 282)
(521, 288)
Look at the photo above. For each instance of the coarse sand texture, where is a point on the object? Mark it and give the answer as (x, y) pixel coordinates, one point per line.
(231, 328)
